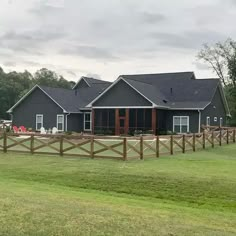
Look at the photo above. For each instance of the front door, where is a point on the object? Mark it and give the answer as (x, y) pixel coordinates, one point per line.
(122, 121)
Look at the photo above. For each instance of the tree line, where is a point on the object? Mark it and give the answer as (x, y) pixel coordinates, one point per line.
(14, 85)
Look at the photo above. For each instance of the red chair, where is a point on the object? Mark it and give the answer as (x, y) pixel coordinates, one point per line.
(23, 129)
(15, 129)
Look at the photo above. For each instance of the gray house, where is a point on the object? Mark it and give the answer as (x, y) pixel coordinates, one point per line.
(153, 103)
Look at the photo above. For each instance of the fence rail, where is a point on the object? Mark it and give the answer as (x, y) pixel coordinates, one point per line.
(123, 148)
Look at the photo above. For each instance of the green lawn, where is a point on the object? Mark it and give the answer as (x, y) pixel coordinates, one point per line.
(191, 194)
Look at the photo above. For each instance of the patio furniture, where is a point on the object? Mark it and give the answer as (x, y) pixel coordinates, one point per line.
(22, 129)
(15, 129)
(42, 130)
(54, 130)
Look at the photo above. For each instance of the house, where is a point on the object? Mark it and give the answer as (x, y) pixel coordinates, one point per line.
(154, 103)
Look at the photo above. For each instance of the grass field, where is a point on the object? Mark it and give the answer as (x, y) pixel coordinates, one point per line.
(191, 194)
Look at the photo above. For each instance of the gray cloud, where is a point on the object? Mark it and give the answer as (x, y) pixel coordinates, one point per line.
(43, 10)
(201, 66)
(91, 52)
(188, 39)
(9, 64)
(152, 18)
(119, 36)
(230, 2)
(29, 42)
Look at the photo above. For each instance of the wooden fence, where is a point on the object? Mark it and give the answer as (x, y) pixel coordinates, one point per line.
(123, 148)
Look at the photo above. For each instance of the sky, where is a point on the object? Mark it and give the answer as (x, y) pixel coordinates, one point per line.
(108, 38)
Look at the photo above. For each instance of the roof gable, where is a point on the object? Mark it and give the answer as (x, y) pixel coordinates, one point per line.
(120, 79)
(29, 92)
(89, 82)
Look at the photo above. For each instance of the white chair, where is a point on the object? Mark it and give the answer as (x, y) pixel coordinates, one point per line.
(54, 130)
(42, 130)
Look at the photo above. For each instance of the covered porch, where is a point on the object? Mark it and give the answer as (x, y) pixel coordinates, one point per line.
(124, 121)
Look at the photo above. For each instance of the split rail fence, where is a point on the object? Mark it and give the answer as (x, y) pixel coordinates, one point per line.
(123, 148)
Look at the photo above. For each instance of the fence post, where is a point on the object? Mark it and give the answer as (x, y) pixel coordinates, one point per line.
(61, 145)
(171, 145)
(234, 133)
(183, 145)
(194, 142)
(32, 144)
(125, 149)
(213, 139)
(141, 147)
(157, 146)
(5, 141)
(227, 137)
(92, 147)
(204, 140)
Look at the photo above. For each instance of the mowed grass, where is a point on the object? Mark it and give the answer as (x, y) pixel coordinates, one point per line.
(191, 194)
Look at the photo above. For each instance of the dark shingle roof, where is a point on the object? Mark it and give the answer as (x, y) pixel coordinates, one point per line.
(175, 90)
(91, 82)
(73, 100)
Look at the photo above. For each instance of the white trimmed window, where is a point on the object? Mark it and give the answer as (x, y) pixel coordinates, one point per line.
(87, 121)
(181, 124)
(39, 121)
(208, 121)
(60, 122)
(221, 121)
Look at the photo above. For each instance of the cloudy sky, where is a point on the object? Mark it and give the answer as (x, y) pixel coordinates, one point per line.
(107, 38)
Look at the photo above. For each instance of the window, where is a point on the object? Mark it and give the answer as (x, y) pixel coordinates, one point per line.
(208, 121)
(60, 122)
(181, 124)
(87, 121)
(221, 121)
(215, 119)
(39, 121)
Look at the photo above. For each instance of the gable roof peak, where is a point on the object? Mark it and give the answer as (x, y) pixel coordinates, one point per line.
(90, 81)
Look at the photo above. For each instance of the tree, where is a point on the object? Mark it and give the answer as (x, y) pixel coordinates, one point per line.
(221, 57)
(50, 78)
(14, 85)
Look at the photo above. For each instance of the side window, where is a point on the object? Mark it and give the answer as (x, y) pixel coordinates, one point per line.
(208, 121)
(60, 122)
(87, 121)
(181, 124)
(221, 121)
(39, 121)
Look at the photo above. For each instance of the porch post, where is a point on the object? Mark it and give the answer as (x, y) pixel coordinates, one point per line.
(154, 120)
(93, 120)
(126, 121)
(117, 121)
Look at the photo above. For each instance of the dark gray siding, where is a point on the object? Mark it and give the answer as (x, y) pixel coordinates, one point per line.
(215, 109)
(121, 94)
(36, 103)
(193, 119)
(81, 84)
(75, 122)
(161, 121)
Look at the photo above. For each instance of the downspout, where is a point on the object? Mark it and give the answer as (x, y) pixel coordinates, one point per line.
(199, 122)
(66, 121)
